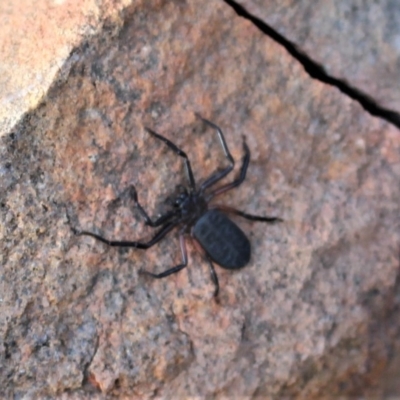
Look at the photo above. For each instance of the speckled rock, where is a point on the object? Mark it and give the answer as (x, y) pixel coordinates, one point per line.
(314, 312)
(354, 41)
(36, 38)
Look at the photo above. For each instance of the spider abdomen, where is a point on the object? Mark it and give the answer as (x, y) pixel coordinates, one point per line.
(222, 240)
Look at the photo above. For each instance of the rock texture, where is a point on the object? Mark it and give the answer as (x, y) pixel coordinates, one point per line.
(36, 38)
(352, 40)
(315, 313)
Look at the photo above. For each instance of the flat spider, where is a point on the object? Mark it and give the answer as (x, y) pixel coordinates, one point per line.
(222, 240)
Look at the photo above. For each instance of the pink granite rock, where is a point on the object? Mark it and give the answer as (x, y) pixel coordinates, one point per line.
(311, 316)
(353, 41)
(36, 39)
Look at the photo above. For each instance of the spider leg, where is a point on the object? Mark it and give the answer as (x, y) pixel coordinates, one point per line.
(251, 217)
(180, 153)
(220, 174)
(138, 245)
(214, 276)
(159, 221)
(173, 269)
(240, 179)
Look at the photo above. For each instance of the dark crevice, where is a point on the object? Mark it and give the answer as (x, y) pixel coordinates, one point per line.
(316, 71)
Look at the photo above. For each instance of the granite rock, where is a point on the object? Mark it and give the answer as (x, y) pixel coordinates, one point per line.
(355, 42)
(314, 313)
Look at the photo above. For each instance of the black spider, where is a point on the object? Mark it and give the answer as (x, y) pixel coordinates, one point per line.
(222, 240)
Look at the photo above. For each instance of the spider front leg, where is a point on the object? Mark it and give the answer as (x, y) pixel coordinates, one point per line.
(179, 152)
(214, 178)
(240, 179)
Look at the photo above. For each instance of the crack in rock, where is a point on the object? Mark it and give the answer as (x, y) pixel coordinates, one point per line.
(317, 71)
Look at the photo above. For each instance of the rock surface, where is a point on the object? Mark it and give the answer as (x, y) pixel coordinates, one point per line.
(314, 314)
(36, 38)
(353, 41)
